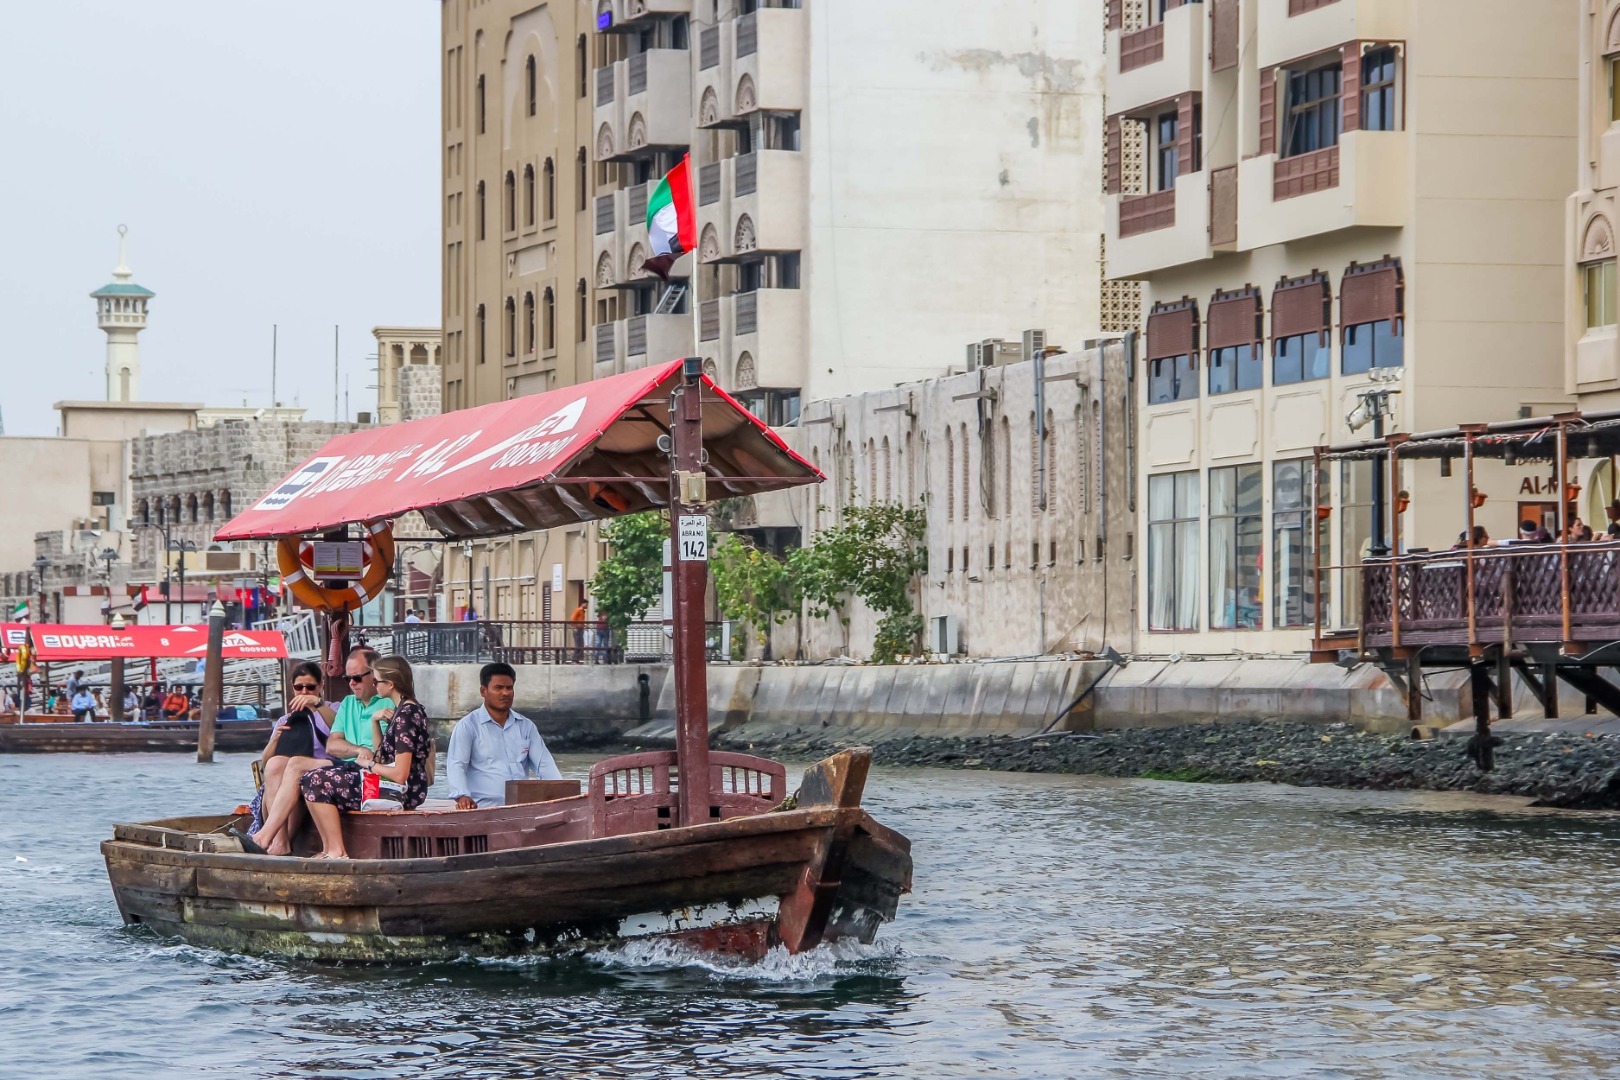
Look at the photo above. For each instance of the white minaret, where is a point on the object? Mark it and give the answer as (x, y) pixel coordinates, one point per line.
(121, 312)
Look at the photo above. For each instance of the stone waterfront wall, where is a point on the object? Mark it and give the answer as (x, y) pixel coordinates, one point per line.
(572, 705)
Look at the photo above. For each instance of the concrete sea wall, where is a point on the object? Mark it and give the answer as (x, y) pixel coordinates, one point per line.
(572, 705)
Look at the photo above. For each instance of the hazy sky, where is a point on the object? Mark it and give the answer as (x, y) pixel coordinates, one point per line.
(275, 163)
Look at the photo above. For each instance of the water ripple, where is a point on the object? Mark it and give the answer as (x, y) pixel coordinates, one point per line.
(1062, 927)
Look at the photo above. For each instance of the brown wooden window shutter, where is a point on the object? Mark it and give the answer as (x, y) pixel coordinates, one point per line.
(1223, 49)
(1172, 329)
(1268, 110)
(1234, 319)
(1112, 157)
(1186, 134)
(1350, 86)
(1301, 306)
(1115, 17)
(1371, 293)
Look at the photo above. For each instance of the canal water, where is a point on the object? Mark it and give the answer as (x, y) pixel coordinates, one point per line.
(1061, 927)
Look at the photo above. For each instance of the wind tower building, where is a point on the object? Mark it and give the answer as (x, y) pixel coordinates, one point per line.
(121, 313)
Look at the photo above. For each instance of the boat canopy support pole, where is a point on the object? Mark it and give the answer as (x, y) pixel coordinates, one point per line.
(689, 546)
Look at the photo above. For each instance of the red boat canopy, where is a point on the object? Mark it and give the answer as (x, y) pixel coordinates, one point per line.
(535, 462)
(56, 643)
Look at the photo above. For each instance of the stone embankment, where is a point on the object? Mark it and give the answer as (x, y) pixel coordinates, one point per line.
(1573, 771)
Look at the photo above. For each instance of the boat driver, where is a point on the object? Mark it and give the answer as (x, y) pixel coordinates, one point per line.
(495, 743)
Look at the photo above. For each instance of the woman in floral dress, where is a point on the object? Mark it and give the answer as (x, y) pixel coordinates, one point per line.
(404, 756)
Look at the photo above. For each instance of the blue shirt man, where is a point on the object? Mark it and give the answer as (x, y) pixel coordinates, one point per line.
(494, 744)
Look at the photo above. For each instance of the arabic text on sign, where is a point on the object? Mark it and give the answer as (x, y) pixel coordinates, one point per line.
(694, 538)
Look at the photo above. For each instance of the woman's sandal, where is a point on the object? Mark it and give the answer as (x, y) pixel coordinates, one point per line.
(249, 845)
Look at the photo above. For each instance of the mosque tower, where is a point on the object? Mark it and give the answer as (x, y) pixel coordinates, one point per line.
(121, 312)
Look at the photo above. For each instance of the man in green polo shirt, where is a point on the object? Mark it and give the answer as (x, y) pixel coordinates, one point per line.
(353, 733)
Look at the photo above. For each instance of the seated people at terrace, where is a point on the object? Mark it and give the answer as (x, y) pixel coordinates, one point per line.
(403, 755)
(354, 731)
(1531, 533)
(495, 743)
(151, 704)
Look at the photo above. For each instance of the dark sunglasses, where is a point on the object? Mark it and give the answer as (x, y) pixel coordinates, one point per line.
(309, 688)
(357, 678)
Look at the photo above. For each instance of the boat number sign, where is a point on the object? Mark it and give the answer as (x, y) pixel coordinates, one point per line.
(694, 537)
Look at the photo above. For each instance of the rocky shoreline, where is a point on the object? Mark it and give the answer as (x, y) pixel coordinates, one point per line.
(1554, 770)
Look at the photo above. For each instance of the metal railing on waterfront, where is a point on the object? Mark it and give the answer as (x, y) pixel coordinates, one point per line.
(532, 641)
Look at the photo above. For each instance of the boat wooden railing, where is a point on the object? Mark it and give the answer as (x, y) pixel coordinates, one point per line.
(640, 792)
(1564, 593)
(529, 641)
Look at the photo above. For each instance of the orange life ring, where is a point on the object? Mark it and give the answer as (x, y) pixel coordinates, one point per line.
(379, 564)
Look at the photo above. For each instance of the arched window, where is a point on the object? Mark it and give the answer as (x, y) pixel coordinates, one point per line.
(528, 322)
(481, 218)
(550, 319)
(550, 174)
(888, 473)
(582, 179)
(146, 512)
(581, 65)
(162, 512)
(225, 504)
(509, 205)
(191, 510)
(509, 330)
(950, 476)
(529, 81)
(871, 473)
(478, 333)
(967, 484)
(208, 505)
(478, 104)
(528, 195)
(580, 311)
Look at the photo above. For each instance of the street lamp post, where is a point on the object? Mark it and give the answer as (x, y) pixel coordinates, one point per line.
(467, 552)
(41, 564)
(109, 556)
(183, 546)
(163, 531)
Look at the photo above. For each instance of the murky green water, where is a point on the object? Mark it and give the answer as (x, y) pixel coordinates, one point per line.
(1061, 927)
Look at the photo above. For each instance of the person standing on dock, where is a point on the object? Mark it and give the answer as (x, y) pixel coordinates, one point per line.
(495, 743)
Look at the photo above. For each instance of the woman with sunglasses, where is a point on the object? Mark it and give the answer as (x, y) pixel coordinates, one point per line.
(404, 755)
(297, 744)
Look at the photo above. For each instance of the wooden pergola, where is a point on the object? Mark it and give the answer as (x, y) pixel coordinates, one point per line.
(1545, 611)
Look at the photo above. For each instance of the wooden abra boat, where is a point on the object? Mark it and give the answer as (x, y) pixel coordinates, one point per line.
(731, 863)
(55, 736)
(542, 876)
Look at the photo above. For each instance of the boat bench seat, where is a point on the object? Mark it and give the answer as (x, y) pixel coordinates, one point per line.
(390, 804)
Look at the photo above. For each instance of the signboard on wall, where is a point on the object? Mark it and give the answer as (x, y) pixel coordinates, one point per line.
(556, 577)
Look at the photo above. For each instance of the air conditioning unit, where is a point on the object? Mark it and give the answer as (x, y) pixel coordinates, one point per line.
(1034, 343)
(944, 635)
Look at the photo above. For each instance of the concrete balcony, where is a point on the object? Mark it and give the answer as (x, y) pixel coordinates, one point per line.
(620, 245)
(751, 203)
(1159, 230)
(756, 61)
(1158, 62)
(766, 334)
(640, 341)
(643, 104)
(637, 14)
(1360, 182)
(770, 61)
(767, 201)
(1290, 29)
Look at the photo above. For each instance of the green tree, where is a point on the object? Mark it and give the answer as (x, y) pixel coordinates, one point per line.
(752, 586)
(632, 576)
(876, 555)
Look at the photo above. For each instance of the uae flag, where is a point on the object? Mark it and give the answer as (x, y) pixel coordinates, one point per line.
(671, 219)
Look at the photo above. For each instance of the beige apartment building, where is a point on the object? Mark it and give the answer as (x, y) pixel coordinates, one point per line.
(517, 299)
(875, 185)
(1592, 346)
(1323, 198)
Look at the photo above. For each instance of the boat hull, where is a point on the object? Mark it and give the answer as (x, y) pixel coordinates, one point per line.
(794, 877)
(230, 736)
